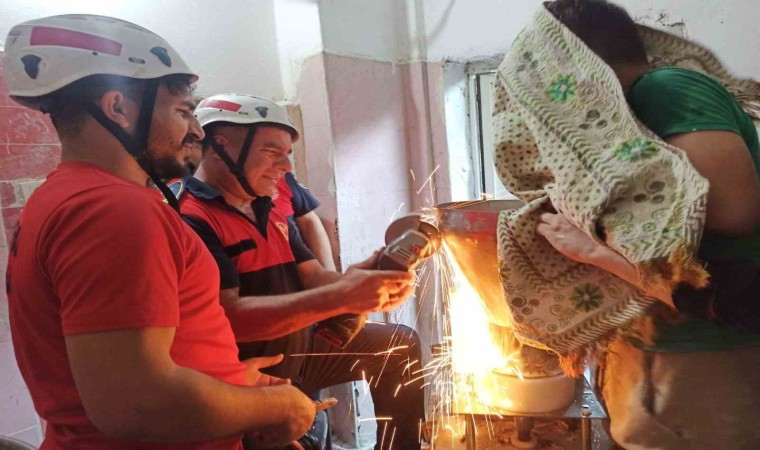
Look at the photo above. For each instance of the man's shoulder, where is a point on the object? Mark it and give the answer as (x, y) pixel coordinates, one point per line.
(204, 214)
(284, 189)
(676, 81)
(666, 73)
(193, 194)
(293, 182)
(128, 217)
(93, 196)
(191, 204)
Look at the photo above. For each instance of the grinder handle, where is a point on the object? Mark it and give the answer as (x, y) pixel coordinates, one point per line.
(384, 262)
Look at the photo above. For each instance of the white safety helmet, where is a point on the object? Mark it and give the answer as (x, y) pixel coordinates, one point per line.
(44, 55)
(244, 110)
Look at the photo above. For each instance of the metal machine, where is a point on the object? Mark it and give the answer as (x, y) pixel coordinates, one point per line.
(469, 230)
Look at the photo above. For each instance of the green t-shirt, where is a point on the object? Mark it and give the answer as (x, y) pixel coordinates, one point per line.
(671, 101)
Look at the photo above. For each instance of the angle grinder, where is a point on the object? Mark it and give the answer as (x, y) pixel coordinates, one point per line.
(409, 240)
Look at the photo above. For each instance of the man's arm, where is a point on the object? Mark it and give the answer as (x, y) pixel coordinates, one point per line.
(310, 271)
(733, 203)
(315, 237)
(361, 290)
(313, 274)
(262, 318)
(256, 318)
(698, 115)
(569, 240)
(132, 389)
(308, 223)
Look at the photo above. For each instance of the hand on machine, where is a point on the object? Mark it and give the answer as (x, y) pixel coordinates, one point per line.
(313, 439)
(409, 240)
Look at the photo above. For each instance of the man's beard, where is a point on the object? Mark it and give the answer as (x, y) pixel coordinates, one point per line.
(167, 167)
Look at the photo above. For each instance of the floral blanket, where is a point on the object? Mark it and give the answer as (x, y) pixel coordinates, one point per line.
(564, 134)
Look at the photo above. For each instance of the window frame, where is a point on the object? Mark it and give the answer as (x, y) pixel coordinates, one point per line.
(479, 75)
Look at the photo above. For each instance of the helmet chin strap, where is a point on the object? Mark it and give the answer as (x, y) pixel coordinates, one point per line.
(237, 167)
(137, 145)
(261, 205)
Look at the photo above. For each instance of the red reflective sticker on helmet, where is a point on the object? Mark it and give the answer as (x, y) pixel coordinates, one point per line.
(224, 105)
(74, 39)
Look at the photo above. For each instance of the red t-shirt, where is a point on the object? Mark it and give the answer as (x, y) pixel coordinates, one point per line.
(293, 198)
(283, 202)
(258, 260)
(94, 253)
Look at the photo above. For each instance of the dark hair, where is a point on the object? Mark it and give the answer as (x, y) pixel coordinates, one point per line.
(66, 105)
(605, 28)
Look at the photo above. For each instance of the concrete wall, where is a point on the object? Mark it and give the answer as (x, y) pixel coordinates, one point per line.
(383, 112)
(29, 149)
(381, 147)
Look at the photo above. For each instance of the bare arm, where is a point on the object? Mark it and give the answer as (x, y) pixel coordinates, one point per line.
(576, 245)
(315, 237)
(261, 318)
(313, 274)
(132, 389)
(359, 291)
(733, 203)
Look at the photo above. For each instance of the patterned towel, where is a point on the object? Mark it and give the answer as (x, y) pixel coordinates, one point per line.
(564, 133)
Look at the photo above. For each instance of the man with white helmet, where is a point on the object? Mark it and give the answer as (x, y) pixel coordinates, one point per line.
(114, 302)
(274, 290)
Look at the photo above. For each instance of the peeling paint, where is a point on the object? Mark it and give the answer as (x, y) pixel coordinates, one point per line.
(663, 20)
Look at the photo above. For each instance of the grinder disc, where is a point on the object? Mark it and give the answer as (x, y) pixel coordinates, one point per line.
(414, 222)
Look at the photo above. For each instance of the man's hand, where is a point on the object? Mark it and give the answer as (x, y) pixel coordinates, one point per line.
(326, 403)
(302, 412)
(365, 290)
(253, 373)
(308, 441)
(369, 263)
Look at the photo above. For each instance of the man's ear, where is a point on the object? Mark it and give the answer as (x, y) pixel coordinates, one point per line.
(220, 139)
(117, 107)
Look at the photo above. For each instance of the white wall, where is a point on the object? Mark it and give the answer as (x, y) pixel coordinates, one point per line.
(729, 27)
(232, 44)
(474, 29)
(375, 29)
(299, 35)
